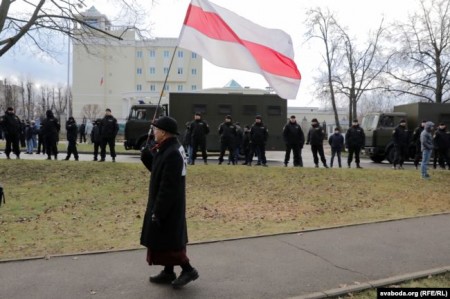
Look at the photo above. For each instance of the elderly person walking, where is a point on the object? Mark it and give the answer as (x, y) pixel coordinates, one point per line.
(164, 231)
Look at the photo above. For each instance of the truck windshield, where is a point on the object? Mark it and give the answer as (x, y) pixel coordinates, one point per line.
(370, 121)
(140, 114)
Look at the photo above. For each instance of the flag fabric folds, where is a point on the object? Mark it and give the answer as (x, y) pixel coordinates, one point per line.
(231, 41)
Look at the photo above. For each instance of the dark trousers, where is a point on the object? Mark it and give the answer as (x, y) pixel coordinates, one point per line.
(195, 145)
(297, 153)
(318, 149)
(41, 145)
(227, 146)
(353, 150)
(111, 142)
(51, 147)
(337, 152)
(443, 157)
(72, 149)
(12, 142)
(418, 155)
(400, 153)
(82, 137)
(96, 147)
(260, 150)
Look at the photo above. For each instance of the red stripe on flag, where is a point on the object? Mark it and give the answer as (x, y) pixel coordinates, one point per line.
(213, 26)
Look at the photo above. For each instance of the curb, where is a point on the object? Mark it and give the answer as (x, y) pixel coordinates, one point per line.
(373, 284)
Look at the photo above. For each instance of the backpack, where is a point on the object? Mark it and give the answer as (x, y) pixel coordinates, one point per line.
(2, 196)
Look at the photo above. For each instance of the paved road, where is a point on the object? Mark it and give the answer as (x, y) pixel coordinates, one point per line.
(274, 158)
(280, 266)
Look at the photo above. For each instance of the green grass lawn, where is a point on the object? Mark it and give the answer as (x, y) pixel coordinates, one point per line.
(56, 207)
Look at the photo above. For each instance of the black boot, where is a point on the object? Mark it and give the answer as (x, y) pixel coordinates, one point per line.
(184, 278)
(163, 277)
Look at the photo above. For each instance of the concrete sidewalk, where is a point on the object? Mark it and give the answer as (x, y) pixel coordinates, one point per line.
(279, 266)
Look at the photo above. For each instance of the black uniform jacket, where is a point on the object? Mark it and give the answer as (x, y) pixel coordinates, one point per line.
(167, 198)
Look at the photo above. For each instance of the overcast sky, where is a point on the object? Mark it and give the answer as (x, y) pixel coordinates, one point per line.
(166, 18)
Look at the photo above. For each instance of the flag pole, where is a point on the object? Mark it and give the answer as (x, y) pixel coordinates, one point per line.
(161, 94)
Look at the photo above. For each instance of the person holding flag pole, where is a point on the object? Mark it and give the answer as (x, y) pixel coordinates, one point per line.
(227, 40)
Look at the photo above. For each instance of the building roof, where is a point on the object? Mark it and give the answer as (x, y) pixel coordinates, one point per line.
(233, 84)
(92, 12)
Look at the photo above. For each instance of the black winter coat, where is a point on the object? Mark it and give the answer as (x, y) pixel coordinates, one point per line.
(95, 134)
(355, 137)
(109, 127)
(442, 139)
(72, 131)
(293, 134)
(400, 136)
(50, 128)
(167, 198)
(316, 135)
(198, 130)
(227, 132)
(11, 125)
(258, 133)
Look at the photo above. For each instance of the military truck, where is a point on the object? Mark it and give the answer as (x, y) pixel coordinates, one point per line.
(213, 107)
(138, 124)
(379, 127)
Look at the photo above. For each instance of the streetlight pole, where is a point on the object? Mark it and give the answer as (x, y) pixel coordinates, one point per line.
(68, 70)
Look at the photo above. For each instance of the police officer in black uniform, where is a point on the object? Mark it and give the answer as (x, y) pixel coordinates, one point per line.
(95, 137)
(50, 131)
(294, 139)
(228, 135)
(416, 140)
(442, 141)
(198, 130)
(72, 133)
(400, 138)
(258, 139)
(11, 127)
(315, 137)
(108, 132)
(354, 141)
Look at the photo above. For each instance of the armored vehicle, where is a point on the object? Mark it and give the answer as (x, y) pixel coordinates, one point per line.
(214, 107)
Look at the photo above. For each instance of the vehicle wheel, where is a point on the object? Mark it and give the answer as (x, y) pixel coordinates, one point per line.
(377, 159)
(390, 155)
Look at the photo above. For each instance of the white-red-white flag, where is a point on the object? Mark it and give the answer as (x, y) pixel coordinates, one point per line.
(231, 41)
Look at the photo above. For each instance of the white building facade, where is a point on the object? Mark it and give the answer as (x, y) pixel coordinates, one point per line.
(116, 74)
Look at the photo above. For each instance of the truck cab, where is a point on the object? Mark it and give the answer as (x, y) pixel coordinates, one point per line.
(378, 128)
(138, 123)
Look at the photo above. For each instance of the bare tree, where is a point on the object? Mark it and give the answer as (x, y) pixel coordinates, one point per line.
(59, 101)
(360, 69)
(29, 100)
(322, 26)
(10, 95)
(39, 21)
(91, 111)
(422, 60)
